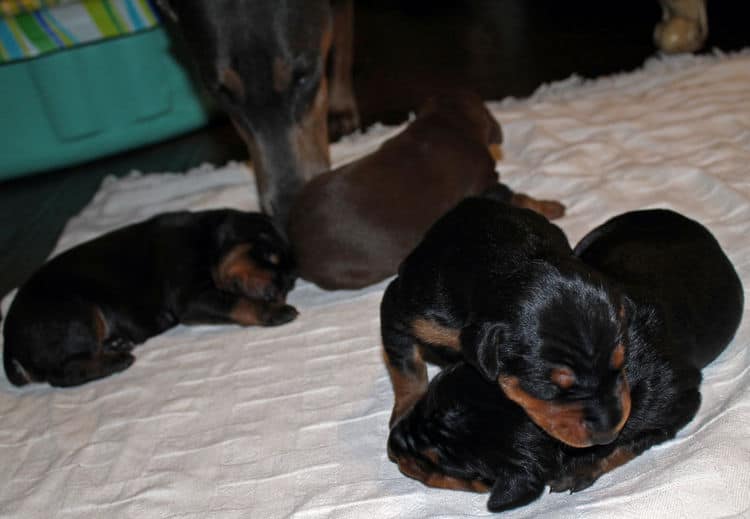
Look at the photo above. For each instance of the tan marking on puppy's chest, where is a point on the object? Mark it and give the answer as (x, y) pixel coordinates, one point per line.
(430, 332)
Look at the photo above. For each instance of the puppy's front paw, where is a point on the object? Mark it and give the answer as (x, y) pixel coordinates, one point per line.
(277, 315)
(119, 344)
(574, 482)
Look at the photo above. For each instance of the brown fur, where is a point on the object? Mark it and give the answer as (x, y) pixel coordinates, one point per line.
(352, 226)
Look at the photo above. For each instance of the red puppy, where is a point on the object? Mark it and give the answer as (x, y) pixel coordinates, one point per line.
(351, 227)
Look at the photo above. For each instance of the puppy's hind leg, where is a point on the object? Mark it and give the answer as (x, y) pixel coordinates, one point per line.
(403, 359)
(85, 367)
(89, 354)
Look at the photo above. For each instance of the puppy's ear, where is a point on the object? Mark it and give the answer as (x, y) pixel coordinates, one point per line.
(167, 9)
(482, 344)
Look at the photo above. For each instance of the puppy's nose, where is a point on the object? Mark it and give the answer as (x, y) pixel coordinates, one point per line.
(603, 427)
(603, 437)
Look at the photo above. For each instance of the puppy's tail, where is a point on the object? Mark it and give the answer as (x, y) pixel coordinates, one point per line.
(14, 371)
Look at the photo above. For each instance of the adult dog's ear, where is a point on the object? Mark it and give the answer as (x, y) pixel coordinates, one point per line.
(167, 9)
(482, 345)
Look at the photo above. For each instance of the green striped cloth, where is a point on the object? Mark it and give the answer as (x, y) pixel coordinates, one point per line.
(41, 26)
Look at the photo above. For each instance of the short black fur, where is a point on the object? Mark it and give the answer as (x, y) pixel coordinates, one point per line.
(81, 313)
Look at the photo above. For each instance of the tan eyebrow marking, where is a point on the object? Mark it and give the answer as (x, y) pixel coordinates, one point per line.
(563, 377)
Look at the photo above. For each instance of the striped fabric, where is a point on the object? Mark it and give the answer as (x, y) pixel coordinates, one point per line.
(40, 26)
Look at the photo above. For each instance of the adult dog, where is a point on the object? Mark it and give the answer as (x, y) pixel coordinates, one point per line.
(278, 68)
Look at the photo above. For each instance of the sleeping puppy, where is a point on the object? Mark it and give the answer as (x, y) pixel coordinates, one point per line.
(684, 305)
(464, 434)
(80, 315)
(499, 287)
(352, 227)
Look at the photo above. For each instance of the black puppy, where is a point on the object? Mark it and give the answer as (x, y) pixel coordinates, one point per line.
(464, 434)
(80, 314)
(499, 287)
(267, 63)
(683, 305)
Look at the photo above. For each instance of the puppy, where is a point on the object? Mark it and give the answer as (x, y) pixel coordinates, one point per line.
(267, 64)
(352, 227)
(684, 304)
(464, 434)
(80, 314)
(499, 287)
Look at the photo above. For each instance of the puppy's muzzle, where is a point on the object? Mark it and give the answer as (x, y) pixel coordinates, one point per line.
(572, 422)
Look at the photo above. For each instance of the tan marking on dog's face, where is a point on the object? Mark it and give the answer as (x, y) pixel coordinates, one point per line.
(237, 269)
(563, 377)
(407, 388)
(617, 361)
(625, 402)
(563, 421)
(309, 138)
(232, 81)
(246, 312)
(431, 332)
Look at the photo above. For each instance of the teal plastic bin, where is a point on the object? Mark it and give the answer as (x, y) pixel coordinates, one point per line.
(86, 102)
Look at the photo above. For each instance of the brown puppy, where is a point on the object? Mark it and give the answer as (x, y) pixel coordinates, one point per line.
(352, 227)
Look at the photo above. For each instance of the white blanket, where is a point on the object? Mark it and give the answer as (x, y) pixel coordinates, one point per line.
(224, 421)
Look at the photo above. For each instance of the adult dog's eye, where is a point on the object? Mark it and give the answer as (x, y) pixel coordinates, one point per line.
(563, 377)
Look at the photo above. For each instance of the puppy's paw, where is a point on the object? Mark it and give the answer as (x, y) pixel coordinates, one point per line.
(118, 344)
(580, 480)
(277, 315)
(550, 209)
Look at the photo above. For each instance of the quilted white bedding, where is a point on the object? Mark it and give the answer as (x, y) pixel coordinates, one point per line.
(223, 421)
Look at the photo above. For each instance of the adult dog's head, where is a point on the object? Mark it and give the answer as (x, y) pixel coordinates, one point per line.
(264, 62)
(561, 354)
